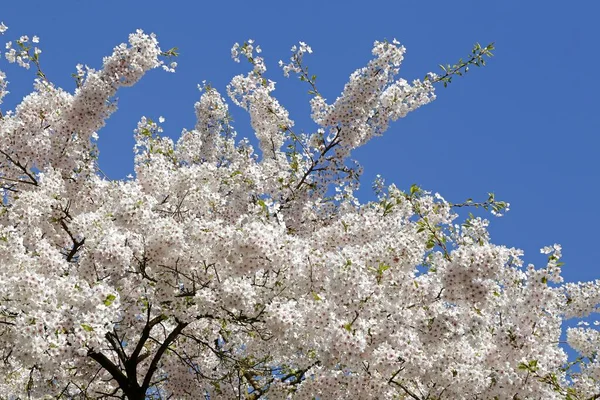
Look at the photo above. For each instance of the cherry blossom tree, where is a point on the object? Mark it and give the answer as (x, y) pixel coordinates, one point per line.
(220, 271)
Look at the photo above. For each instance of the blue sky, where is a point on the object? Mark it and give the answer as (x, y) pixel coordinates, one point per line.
(524, 127)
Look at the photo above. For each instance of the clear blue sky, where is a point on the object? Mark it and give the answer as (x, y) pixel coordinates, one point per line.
(525, 127)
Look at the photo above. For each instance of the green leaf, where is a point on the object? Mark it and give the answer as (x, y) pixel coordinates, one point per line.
(109, 299)
(87, 328)
(387, 208)
(316, 297)
(383, 267)
(172, 52)
(262, 203)
(345, 226)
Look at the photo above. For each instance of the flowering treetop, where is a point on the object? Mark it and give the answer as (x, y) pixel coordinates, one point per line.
(229, 272)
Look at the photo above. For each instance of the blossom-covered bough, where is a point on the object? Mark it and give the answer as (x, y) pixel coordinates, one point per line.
(223, 273)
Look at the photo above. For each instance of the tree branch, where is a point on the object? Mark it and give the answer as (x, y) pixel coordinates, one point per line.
(111, 368)
(161, 350)
(408, 392)
(116, 345)
(132, 362)
(22, 168)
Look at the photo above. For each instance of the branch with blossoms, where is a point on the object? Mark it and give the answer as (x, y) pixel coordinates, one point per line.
(552, 380)
(297, 65)
(26, 54)
(32, 179)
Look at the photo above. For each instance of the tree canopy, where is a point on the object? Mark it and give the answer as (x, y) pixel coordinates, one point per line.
(222, 271)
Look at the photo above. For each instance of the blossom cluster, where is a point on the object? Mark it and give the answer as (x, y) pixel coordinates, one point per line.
(220, 271)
